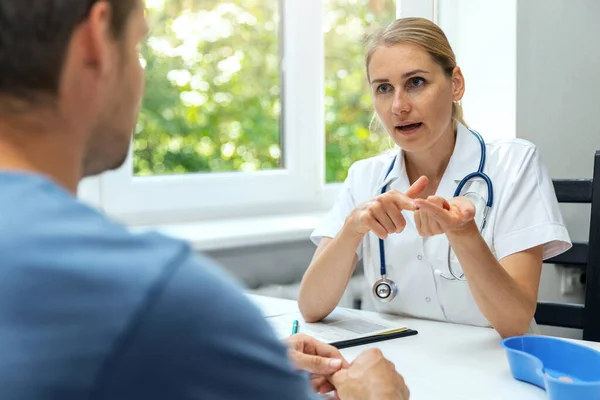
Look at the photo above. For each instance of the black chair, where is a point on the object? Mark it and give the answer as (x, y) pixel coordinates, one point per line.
(585, 256)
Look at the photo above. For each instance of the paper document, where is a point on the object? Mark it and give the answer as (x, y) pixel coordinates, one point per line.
(340, 325)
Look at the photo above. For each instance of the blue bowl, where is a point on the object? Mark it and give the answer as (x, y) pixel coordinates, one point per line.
(564, 369)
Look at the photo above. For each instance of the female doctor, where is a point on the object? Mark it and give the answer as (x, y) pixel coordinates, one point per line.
(448, 227)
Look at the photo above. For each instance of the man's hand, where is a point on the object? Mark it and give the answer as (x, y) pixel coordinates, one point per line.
(370, 377)
(320, 359)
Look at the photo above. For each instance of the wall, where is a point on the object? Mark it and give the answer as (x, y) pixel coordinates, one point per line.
(558, 98)
(278, 264)
(483, 37)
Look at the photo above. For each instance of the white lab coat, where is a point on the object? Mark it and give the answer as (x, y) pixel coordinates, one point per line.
(525, 214)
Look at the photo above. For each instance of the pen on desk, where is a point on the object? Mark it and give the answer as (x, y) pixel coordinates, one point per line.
(295, 327)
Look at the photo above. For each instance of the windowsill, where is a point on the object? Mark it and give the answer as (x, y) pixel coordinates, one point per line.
(243, 232)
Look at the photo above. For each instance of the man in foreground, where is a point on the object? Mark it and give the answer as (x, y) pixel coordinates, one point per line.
(89, 309)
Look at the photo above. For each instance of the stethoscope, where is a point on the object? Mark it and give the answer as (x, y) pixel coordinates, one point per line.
(385, 289)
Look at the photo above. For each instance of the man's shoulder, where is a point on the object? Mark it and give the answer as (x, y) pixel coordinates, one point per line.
(74, 283)
(52, 236)
(41, 224)
(101, 309)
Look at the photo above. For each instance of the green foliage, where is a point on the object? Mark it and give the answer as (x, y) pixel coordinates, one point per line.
(212, 91)
(349, 110)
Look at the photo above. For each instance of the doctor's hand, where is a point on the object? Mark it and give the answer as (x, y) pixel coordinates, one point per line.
(370, 377)
(320, 359)
(436, 215)
(383, 214)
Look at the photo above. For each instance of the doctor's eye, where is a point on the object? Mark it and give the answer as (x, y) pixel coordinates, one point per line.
(416, 82)
(384, 88)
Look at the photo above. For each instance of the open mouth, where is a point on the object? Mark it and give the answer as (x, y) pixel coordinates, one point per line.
(409, 127)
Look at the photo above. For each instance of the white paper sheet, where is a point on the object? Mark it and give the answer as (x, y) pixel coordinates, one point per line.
(340, 325)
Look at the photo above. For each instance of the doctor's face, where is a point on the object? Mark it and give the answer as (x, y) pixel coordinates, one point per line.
(413, 95)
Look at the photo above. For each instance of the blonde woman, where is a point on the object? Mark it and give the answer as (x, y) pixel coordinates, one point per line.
(448, 227)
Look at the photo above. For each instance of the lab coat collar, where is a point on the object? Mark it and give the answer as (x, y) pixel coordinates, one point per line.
(395, 173)
(464, 160)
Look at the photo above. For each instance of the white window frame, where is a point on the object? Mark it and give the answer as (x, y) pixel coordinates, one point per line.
(297, 188)
(235, 194)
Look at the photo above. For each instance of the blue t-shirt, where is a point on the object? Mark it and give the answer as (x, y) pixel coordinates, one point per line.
(90, 310)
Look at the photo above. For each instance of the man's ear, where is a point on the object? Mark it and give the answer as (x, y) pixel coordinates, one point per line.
(94, 41)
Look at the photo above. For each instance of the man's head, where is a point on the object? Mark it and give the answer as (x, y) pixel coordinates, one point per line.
(79, 59)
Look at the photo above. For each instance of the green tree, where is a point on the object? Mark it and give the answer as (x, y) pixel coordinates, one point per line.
(349, 109)
(212, 104)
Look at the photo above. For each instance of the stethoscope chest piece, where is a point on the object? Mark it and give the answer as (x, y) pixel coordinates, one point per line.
(385, 289)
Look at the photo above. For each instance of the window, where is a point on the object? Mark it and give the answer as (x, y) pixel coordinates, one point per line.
(210, 104)
(348, 109)
(232, 117)
(259, 107)
(251, 108)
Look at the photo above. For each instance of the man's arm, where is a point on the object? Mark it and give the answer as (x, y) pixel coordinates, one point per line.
(199, 338)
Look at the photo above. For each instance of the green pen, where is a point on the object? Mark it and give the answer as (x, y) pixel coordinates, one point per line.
(295, 327)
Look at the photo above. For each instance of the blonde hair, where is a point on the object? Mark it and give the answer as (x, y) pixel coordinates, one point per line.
(424, 33)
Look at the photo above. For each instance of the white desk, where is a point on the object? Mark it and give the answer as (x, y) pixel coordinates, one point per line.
(444, 361)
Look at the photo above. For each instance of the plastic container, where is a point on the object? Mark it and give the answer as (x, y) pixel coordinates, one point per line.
(564, 369)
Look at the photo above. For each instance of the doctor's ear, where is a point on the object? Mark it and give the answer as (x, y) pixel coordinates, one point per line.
(458, 84)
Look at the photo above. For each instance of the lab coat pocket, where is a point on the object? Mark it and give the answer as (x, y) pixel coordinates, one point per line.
(455, 295)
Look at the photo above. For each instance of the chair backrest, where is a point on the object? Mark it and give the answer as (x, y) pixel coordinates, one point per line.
(584, 255)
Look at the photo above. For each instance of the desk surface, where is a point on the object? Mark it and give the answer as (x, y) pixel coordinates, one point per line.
(444, 361)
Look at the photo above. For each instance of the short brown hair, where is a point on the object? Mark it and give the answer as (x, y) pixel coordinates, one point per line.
(34, 36)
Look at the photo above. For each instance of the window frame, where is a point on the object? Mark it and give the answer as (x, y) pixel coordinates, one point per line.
(298, 187)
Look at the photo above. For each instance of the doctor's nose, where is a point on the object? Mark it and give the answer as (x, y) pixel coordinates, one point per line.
(401, 104)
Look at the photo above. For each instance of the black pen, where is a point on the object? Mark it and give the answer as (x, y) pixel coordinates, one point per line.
(387, 335)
